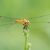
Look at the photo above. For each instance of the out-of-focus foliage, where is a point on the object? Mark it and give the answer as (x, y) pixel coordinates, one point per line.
(12, 36)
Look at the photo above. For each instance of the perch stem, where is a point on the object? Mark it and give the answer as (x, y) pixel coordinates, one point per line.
(26, 42)
(26, 39)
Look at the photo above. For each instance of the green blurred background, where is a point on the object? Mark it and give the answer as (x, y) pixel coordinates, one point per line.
(12, 36)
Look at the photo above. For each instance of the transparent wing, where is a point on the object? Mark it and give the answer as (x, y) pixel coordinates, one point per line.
(7, 20)
(40, 19)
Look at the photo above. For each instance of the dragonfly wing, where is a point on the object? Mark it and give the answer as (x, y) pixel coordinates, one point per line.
(40, 19)
(6, 20)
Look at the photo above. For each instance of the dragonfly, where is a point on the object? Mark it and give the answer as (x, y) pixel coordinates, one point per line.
(12, 20)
